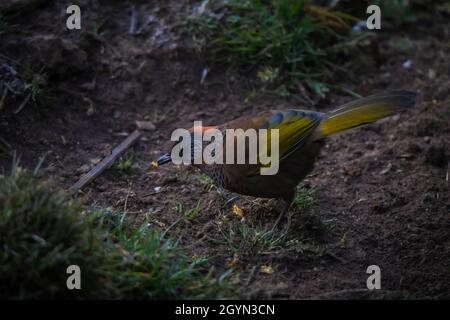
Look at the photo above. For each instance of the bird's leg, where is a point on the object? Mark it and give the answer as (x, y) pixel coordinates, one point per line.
(287, 204)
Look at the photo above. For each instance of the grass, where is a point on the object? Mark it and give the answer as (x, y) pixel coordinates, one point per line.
(125, 163)
(42, 233)
(304, 199)
(289, 42)
(4, 25)
(245, 239)
(36, 85)
(152, 267)
(193, 213)
(303, 204)
(159, 117)
(398, 12)
(177, 205)
(242, 237)
(95, 31)
(205, 180)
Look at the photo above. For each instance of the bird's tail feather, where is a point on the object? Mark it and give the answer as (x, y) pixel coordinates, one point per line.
(365, 110)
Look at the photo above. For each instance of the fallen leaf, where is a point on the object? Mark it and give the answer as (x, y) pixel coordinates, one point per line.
(266, 269)
(154, 165)
(145, 125)
(387, 169)
(238, 211)
(230, 263)
(83, 169)
(95, 161)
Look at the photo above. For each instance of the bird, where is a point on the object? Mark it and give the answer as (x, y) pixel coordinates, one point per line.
(302, 135)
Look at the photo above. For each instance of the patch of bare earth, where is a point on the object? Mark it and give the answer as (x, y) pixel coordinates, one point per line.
(382, 197)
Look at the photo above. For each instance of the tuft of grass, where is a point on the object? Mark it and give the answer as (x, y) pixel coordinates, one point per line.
(159, 117)
(42, 233)
(176, 204)
(193, 213)
(4, 25)
(95, 31)
(303, 203)
(304, 199)
(205, 181)
(398, 12)
(36, 85)
(343, 241)
(289, 41)
(153, 267)
(242, 238)
(125, 163)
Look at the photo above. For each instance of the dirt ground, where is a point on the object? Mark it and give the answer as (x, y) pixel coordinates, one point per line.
(382, 194)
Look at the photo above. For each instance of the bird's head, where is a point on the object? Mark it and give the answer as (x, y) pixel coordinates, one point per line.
(192, 137)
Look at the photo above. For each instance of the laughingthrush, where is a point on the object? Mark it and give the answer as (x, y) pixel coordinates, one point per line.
(301, 137)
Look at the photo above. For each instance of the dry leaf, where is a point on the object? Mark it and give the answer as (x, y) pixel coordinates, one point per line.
(238, 211)
(154, 165)
(266, 269)
(145, 125)
(230, 263)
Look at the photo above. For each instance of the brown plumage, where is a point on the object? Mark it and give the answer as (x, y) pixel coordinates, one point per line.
(302, 135)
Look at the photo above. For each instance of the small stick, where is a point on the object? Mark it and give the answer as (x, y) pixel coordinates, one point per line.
(170, 227)
(23, 104)
(133, 21)
(126, 198)
(334, 3)
(252, 273)
(10, 89)
(2, 99)
(105, 163)
(4, 145)
(448, 171)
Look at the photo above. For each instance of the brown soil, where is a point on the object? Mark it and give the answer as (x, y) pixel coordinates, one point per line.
(382, 197)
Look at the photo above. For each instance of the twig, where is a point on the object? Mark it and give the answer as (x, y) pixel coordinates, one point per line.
(4, 145)
(170, 227)
(23, 104)
(252, 273)
(9, 59)
(126, 198)
(10, 89)
(334, 3)
(105, 163)
(448, 172)
(133, 21)
(2, 99)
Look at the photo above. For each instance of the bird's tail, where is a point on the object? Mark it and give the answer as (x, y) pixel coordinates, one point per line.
(365, 110)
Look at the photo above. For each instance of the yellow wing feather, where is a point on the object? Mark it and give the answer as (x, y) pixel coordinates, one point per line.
(365, 110)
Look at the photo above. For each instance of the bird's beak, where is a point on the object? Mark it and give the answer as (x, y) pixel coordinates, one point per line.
(164, 159)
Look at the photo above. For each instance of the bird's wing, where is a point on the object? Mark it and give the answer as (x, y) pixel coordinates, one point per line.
(295, 127)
